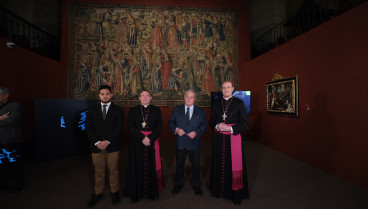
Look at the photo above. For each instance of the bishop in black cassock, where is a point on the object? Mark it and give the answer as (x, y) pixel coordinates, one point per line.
(228, 171)
(144, 172)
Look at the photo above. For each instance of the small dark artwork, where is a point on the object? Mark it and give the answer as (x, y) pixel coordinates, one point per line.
(282, 96)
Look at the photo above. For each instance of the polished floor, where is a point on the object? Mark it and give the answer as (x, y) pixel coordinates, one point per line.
(276, 181)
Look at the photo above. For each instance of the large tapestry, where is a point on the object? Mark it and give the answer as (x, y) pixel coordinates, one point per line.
(166, 50)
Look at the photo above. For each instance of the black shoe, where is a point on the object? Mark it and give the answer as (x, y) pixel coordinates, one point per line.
(198, 191)
(18, 188)
(177, 189)
(236, 202)
(155, 197)
(115, 198)
(3, 186)
(94, 200)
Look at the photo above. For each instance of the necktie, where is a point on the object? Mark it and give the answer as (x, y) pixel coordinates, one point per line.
(187, 115)
(104, 112)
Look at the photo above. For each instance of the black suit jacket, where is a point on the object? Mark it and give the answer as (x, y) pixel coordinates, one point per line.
(109, 129)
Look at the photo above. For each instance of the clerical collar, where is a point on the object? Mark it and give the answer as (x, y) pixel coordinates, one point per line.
(227, 98)
(145, 106)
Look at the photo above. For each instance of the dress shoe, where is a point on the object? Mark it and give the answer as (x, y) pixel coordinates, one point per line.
(115, 198)
(18, 188)
(236, 202)
(94, 200)
(155, 197)
(3, 186)
(177, 189)
(198, 191)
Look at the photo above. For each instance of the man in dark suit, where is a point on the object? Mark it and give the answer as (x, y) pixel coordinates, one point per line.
(188, 123)
(104, 124)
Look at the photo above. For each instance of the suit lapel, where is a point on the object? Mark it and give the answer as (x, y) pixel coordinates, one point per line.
(111, 108)
(182, 111)
(194, 112)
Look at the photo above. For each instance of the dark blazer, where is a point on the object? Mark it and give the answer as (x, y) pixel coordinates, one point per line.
(10, 128)
(197, 123)
(109, 129)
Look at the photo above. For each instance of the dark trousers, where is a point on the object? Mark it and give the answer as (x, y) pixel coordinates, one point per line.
(194, 160)
(11, 164)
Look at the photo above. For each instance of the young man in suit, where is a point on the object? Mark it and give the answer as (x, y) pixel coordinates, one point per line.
(104, 124)
(188, 123)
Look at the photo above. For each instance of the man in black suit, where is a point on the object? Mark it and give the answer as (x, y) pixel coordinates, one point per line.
(104, 124)
(188, 123)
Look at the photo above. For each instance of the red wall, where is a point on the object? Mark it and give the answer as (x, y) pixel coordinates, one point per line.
(331, 62)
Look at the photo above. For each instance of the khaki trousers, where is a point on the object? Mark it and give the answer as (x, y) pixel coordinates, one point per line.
(100, 161)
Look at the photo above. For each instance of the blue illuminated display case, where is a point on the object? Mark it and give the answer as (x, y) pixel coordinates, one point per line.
(60, 127)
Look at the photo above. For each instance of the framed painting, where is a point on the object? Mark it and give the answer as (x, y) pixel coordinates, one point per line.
(166, 50)
(282, 96)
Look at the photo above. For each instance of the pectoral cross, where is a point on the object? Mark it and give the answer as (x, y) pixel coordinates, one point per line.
(224, 116)
(144, 124)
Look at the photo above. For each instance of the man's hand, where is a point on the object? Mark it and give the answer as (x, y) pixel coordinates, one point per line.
(180, 132)
(223, 127)
(5, 116)
(192, 134)
(102, 145)
(146, 141)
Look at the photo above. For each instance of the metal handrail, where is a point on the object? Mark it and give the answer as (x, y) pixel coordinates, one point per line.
(28, 36)
(309, 16)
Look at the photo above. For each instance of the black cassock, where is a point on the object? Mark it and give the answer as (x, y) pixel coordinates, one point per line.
(221, 168)
(141, 180)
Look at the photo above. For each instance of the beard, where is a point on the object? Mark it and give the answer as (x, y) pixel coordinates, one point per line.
(106, 101)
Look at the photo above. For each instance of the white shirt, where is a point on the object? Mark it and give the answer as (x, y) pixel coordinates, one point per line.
(107, 107)
(191, 108)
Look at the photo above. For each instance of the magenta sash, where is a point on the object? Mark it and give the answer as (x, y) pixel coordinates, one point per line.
(160, 184)
(236, 159)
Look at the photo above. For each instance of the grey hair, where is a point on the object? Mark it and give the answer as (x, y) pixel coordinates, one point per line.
(190, 90)
(4, 90)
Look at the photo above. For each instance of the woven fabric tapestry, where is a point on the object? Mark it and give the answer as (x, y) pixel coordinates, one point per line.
(166, 50)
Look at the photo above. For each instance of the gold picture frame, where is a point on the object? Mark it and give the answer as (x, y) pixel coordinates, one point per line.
(282, 96)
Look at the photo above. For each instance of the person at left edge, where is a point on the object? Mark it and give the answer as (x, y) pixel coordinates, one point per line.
(104, 124)
(10, 141)
(144, 173)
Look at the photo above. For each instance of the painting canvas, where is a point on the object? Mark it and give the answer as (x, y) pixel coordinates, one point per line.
(282, 96)
(166, 50)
